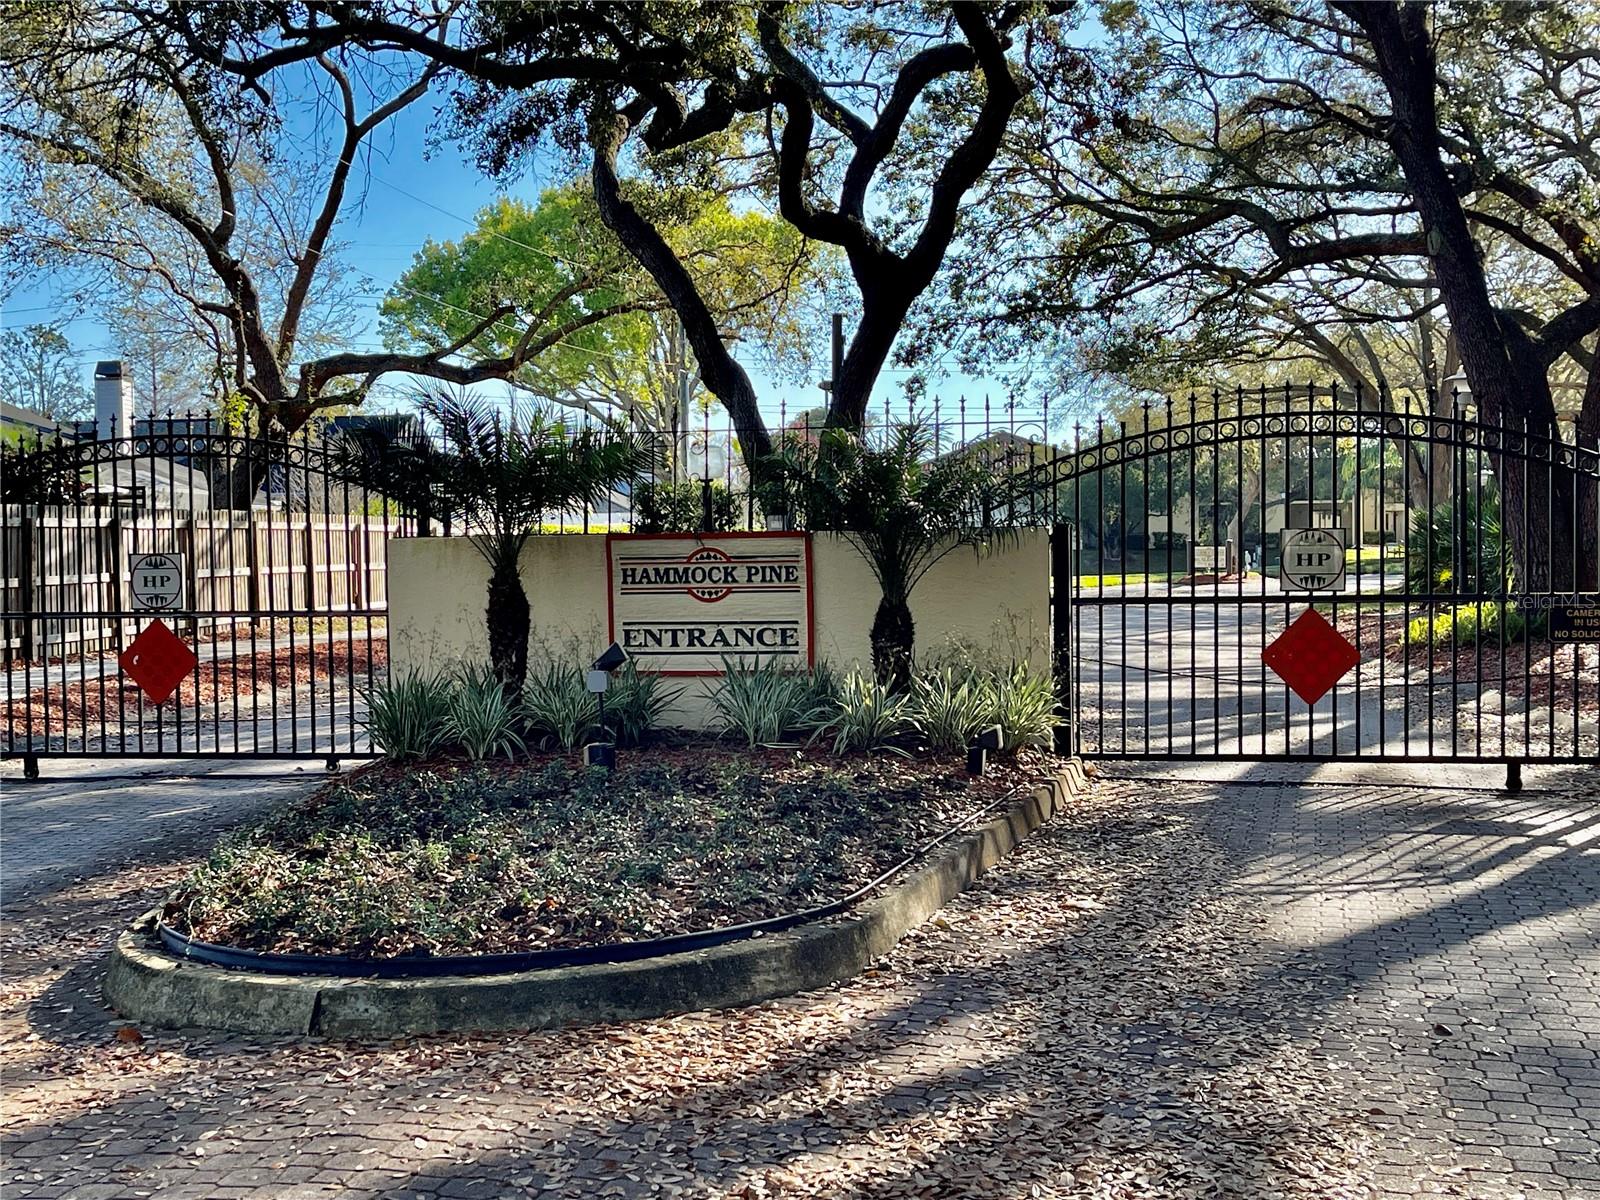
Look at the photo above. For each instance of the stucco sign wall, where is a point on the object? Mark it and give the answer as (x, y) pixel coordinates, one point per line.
(681, 604)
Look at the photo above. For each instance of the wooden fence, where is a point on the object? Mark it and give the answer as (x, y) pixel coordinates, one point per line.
(64, 582)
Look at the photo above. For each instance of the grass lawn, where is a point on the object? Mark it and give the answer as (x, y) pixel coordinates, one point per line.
(460, 858)
(1370, 560)
(1105, 581)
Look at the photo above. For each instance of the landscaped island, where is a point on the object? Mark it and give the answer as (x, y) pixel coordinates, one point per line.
(462, 857)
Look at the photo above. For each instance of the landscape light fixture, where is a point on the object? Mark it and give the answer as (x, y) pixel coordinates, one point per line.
(978, 754)
(597, 679)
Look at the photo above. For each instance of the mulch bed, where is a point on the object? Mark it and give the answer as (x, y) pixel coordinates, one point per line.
(1484, 663)
(78, 707)
(456, 857)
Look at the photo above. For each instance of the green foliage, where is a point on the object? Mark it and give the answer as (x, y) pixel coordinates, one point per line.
(903, 504)
(481, 720)
(558, 706)
(949, 706)
(661, 507)
(766, 702)
(409, 717)
(458, 858)
(1467, 625)
(1435, 543)
(497, 477)
(1023, 703)
(866, 716)
(635, 705)
(36, 473)
(558, 266)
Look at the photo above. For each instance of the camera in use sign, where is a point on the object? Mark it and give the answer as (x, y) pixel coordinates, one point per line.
(155, 581)
(1311, 560)
(681, 604)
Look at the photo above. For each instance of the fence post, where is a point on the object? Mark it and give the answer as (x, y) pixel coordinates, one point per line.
(191, 530)
(1061, 637)
(252, 559)
(311, 566)
(119, 572)
(25, 584)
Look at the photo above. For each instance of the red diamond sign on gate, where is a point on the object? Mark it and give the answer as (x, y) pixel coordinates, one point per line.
(1310, 656)
(157, 660)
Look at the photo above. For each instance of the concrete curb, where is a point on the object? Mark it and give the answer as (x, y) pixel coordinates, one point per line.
(145, 983)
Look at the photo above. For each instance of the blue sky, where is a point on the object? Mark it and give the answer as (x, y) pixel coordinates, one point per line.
(405, 198)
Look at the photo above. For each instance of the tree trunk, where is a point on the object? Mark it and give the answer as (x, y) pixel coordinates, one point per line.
(508, 621)
(882, 317)
(1249, 493)
(722, 375)
(893, 636)
(1588, 486)
(1508, 384)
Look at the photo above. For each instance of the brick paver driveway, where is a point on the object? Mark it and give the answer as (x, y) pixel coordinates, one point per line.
(1179, 989)
(1458, 935)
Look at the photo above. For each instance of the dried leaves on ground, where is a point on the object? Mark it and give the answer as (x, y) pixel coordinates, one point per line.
(1098, 1018)
(84, 705)
(466, 858)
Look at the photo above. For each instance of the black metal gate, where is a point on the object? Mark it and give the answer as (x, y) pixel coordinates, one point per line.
(284, 593)
(1468, 594)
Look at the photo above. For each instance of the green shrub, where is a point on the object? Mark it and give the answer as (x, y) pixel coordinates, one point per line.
(1467, 625)
(1434, 545)
(823, 685)
(865, 715)
(557, 705)
(635, 704)
(409, 717)
(1023, 704)
(949, 706)
(662, 507)
(767, 702)
(481, 720)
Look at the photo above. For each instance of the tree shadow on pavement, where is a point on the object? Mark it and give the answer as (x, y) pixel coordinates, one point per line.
(1105, 1014)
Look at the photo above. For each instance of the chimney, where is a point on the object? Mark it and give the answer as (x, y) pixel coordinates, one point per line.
(113, 400)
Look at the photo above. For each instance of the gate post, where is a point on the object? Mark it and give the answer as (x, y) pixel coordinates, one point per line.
(1066, 735)
(117, 592)
(25, 563)
(252, 558)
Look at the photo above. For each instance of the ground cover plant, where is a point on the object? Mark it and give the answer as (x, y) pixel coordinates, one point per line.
(472, 857)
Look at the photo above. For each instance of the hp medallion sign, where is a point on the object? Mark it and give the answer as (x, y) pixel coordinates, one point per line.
(155, 582)
(1311, 560)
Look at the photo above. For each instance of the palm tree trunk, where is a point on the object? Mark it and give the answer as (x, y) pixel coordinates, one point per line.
(508, 621)
(893, 635)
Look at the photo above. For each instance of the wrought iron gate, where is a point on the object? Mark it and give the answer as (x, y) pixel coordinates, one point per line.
(285, 601)
(1469, 594)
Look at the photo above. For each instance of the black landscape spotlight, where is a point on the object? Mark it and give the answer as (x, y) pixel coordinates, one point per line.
(978, 754)
(597, 679)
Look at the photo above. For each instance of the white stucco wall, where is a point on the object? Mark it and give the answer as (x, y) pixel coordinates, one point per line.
(995, 602)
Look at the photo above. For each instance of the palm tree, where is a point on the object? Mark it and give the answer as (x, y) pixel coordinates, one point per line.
(496, 478)
(903, 506)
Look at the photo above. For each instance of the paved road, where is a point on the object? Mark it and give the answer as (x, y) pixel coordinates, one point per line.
(1180, 669)
(1183, 988)
(91, 818)
(1455, 934)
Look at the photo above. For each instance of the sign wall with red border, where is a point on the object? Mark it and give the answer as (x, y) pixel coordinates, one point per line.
(683, 604)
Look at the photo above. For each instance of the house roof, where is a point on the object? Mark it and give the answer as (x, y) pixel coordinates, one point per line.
(26, 418)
